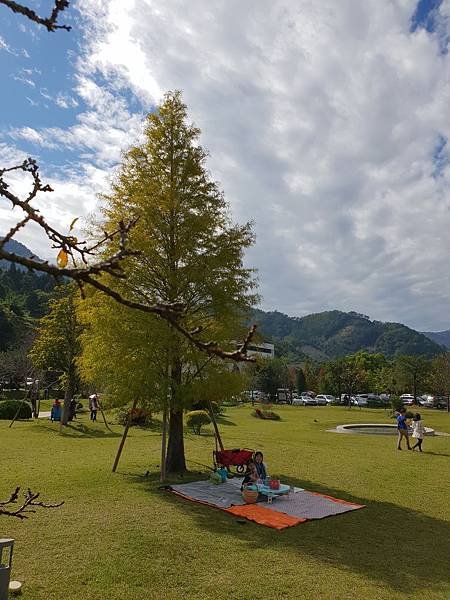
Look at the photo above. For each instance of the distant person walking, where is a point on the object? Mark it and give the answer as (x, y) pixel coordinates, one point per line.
(402, 429)
(418, 432)
(72, 410)
(93, 406)
(55, 414)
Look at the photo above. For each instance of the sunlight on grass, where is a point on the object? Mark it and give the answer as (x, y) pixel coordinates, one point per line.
(122, 537)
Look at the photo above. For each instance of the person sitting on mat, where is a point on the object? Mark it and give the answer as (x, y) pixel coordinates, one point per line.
(260, 467)
(251, 475)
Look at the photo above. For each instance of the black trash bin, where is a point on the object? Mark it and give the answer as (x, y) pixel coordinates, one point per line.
(5, 566)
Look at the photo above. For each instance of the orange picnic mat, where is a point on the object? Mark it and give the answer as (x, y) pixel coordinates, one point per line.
(264, 516)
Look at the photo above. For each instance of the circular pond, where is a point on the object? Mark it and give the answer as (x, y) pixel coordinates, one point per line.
(374, 429)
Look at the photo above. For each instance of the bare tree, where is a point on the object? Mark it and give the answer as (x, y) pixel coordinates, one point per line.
(88, 265)
(50, 23)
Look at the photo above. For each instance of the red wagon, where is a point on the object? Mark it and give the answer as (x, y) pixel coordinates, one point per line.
(232, 458)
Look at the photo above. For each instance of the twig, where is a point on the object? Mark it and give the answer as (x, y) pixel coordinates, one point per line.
(50, 23)
(29, 500)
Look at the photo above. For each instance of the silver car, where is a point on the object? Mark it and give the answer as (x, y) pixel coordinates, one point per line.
(324, 399)
(304, 401)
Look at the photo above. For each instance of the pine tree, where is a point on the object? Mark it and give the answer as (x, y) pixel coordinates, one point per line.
(190, 251)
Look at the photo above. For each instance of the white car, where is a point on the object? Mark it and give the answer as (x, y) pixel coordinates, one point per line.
(361, 400)
(324, 399)
(304, 401)
(407, 399)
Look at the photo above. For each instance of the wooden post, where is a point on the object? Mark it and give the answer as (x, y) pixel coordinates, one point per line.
(18, 410)
(124, 437)
(214, 422)
(162, 477)
(103, 415)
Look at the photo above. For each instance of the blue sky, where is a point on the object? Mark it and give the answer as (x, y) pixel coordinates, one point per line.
(327, 125)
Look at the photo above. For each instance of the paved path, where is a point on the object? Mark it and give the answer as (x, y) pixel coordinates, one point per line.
(44, 414)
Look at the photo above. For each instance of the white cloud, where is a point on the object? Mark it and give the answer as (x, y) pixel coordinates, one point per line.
(322, 120)
(74, 195)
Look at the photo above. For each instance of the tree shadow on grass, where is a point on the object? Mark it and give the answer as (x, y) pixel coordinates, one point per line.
(377, 542)
(224, 420)
(81, 431)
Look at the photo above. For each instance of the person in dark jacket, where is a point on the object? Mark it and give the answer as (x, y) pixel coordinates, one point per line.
(260, 467)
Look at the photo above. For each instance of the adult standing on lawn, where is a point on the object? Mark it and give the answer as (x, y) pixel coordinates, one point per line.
(93, 406)
(402, 428)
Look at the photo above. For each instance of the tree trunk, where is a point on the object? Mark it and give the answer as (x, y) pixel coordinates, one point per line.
(175, 459)
(68, 394)
(66, 406)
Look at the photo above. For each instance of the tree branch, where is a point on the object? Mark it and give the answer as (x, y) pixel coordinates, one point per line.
(29, 499)
(50, 23)
(89, 272)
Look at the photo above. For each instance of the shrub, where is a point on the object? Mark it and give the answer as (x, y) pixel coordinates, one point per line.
(196, 419)
(396, 403)
(139, 416)
(266, 414)
(375, 403)
(8, 409)
(202, 405)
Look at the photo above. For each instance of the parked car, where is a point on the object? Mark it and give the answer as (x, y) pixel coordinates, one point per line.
(324, 399)
(427, 401)
(440, 402)
(304, 401)
(407, 399)
(361, 400)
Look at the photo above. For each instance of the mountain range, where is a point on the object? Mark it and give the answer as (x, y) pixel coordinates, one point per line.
(320, 336)
(329, 334)
(17, 248)
(440, 337)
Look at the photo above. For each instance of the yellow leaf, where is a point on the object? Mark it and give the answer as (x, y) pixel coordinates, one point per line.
(62, 259)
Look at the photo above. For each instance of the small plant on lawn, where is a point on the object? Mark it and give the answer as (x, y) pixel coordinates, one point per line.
(266, 414)
(196, 419)
(139, 416)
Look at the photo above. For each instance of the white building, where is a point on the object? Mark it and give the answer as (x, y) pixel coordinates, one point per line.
(262, 350)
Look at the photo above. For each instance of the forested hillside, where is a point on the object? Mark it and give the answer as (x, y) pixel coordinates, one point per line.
(334, 333)
(23, 299)
(440, 337)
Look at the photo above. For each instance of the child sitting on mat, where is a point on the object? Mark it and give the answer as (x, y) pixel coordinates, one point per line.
(251, 474)
(261, 468)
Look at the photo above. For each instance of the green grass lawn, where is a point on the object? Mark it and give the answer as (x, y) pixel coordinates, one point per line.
(119, 536)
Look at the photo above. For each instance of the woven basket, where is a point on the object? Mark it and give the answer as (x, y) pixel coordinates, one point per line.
(250, 496)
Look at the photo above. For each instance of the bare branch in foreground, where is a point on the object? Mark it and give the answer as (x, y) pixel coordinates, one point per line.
(50, 23)
(70, 248)
(29, 499)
